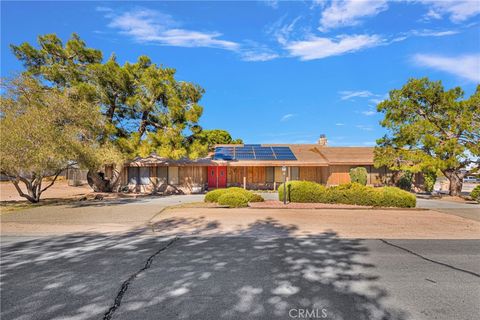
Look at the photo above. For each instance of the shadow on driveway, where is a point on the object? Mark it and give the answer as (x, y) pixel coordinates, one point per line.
(260, 273)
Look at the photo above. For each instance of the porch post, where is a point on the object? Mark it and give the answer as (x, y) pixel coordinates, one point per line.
(244, 178)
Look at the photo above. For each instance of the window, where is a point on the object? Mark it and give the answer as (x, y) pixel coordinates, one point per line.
(278, 174)
(162, 174)
(269, 174)
(173, 175)
(294, 173)
(132, 175)
(144, 175)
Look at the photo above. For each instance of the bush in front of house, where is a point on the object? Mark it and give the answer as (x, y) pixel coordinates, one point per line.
(302, 191)
(214, 195)
(233, 199)
(475, 194)
(359, 175)
(350, 193)
(395, 197)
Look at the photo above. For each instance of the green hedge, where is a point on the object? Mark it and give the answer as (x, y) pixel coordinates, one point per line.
(350, 193)
(214, 195)
(475, 194)
(302, 191)
(233, 199)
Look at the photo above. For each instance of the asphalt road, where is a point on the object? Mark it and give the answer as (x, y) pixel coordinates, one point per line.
(246, 277)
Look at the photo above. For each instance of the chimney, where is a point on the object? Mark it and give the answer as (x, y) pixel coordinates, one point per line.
(322, 140)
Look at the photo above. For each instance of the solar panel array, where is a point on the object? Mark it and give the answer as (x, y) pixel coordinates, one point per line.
(253, 152)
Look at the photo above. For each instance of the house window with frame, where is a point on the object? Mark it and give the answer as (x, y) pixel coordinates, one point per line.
(294, 173)
(173, 176)
(144, 175)
(132, 175)
(162, 174)
(269, 174)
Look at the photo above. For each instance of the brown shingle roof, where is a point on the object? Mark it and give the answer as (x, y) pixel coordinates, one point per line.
(324, 155)
(155, 160)
(316, 155)
(306, 154)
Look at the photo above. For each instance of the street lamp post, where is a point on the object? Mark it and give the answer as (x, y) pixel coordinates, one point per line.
(284, 172)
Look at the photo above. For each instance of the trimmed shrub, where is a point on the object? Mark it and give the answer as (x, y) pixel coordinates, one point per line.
(395, 197)
(214, 195)
(303, 191)
(233, 199)
(475, 194)
(255, 197)
(359, 175)
(350, 193)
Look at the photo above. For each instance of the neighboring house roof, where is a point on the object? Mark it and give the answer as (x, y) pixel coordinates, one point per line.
(155, 160)
(306, 154)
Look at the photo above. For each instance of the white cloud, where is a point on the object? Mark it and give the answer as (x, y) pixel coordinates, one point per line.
(376, 100)
(271, 3)
(457, 10)
(369, 112)
(433, 33)
(287, 117)
(283, 31)
(364, 127)
(251, 55)
(151, 26)
(339, 124)
(349, 12)
(348, 95)
(465, 66)
(369, 143)
(319, 48)
(253, 51)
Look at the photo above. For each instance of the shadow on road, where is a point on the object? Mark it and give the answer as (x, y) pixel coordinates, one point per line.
(259, 273)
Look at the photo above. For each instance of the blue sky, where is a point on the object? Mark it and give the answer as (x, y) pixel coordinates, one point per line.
(275, 71)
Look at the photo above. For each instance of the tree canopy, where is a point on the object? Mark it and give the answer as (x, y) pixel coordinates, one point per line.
(145, 108)
(143, 103)
(430, 129)
(43, 131)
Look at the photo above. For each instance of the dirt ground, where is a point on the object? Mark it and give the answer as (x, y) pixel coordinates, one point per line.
(365, 224)
(60, 190)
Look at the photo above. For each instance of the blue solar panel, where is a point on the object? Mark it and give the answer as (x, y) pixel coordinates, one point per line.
(284, 153)
(253, 152)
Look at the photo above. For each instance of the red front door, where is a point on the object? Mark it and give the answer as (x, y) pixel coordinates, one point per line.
(217, 177)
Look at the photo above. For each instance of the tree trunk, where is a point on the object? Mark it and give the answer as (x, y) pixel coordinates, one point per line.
(143, 124)
(33, 185)
(30, 195)
(98, 182)
(456, 181)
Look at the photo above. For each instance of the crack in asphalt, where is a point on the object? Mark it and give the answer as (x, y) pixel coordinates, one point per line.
(430, 260)
(123, 289)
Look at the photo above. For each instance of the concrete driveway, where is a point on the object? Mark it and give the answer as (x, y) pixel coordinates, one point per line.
(87, 216)
(460, 209)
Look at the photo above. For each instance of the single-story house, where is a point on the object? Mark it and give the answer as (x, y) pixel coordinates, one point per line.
(252, 166)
